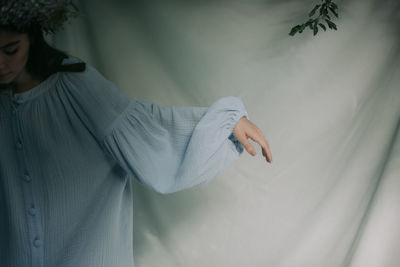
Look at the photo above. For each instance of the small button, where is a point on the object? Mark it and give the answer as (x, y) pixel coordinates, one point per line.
(32, 211)
(19, 145)
(27, 178)
(37, 242)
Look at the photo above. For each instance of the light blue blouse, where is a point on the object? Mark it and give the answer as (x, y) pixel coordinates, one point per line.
(68, 149)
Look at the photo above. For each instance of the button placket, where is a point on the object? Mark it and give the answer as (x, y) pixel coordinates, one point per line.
(37, 242)
(27, 178)
(33, 213)
(19, 144)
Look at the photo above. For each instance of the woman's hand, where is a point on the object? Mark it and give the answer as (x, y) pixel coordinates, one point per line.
(246, 129)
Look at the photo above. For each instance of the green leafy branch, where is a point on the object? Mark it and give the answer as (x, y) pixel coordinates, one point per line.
(326, 9)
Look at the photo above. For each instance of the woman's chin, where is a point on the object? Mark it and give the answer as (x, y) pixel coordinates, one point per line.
(6, 79)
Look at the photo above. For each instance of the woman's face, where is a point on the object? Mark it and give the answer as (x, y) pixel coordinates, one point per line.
(14, 51)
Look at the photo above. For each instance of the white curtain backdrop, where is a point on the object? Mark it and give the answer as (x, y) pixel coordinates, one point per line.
(329, 106)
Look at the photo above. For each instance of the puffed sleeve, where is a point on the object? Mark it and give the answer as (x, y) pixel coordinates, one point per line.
(166, 149)
(169, 149)
(93, 98)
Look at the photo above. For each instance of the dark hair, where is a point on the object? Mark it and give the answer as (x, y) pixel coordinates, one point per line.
(45, 60)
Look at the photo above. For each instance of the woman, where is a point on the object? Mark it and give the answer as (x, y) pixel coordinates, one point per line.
(69, 142)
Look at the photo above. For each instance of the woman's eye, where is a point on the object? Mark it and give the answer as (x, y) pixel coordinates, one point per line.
(11, 52)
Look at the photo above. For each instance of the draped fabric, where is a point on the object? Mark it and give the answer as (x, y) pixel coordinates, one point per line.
(328, 104)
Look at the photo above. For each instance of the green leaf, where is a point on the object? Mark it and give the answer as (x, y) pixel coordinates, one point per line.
(334, 6)
(294, 30)
(313, 11)
(331, 25)
(308, 22)
(322, 26)
(334, 12)
(315, 26)
(322, 10)
(315, 30)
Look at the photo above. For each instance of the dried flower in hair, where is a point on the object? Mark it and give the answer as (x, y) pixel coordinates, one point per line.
(48, 14)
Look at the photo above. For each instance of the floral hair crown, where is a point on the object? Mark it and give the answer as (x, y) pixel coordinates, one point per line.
(48, 14)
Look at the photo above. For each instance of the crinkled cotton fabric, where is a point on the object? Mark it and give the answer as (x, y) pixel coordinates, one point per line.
(70, 148)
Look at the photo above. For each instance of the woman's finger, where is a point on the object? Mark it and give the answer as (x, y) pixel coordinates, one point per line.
(258, 137)
(249, 148)
(267, 150)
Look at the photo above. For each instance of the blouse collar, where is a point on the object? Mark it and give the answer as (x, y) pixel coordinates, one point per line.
(37, 90)
(33, 92)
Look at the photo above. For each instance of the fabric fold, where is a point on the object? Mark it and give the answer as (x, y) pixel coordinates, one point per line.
(95, 99)
(169, 149)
